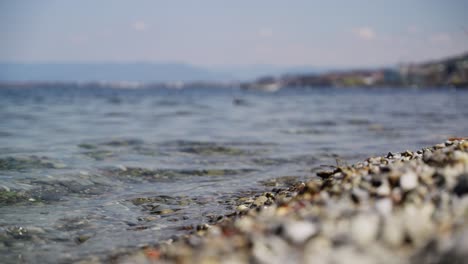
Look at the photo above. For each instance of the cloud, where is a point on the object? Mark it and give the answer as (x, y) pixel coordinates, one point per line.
(265, 32)
(366, 33)
(140, 25)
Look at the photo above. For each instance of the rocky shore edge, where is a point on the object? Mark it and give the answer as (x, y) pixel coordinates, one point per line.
(408, 207)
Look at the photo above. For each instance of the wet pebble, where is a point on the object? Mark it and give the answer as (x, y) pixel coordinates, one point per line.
(260, 201)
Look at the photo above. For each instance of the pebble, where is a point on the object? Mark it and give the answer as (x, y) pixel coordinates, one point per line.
(359, 195)
(461, 188)
(384, 206)
(393, 232)
(406, 207)
(163, 212)
(242, 208)
(408, 181)
(384, 189)
(299, 231)
(260, 201)
(364, 228)
(83, 238)
(418, 224)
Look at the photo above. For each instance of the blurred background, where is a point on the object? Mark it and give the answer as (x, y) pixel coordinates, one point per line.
(124, 123)
(205, 41)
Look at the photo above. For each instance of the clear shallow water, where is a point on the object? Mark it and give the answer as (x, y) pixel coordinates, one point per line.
(101, 170)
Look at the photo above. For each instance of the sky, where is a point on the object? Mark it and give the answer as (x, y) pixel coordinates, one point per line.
(213, 33)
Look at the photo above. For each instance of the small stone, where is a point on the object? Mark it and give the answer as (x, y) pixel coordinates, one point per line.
(202, 227)
(397, 195)
(325, 174)
(460, 156)
(408, 181)
(383, 189)
(407, 154)
(35, 230)
(359, 195)
(58, 165)
(300, 231)
(83, 238)
(439, 146)
(393, 232)
(283, 210)
(364, 228)
(163, 212)
(242, 208)
(461, 188)
(260, 201)
(148, 218)
(418, 224)
(384, 206)
(245, 224)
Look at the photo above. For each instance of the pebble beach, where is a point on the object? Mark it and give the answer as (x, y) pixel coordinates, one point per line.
(407, 207)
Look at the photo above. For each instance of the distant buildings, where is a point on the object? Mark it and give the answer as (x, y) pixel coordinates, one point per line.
(447, 72)
(450, 72)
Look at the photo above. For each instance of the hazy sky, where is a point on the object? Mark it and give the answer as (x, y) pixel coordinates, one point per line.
(215, 32)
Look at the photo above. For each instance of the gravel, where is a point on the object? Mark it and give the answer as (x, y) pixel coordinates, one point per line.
(409, 207)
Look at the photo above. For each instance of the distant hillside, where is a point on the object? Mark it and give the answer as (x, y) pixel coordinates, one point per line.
(115, 72)
(446, 72)
(254, 71)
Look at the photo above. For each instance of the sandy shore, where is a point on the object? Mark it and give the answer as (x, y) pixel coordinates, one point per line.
(409, 207)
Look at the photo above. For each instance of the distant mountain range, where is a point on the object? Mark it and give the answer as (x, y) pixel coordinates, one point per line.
(137, 72)
(115, 72)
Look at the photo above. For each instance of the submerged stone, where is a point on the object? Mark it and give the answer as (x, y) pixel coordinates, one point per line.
(123, 142)
(280, 181)
(213, 150)
(99, 154)
(163, 212)
(150, 174)
(82, 238)
(30, 162)
(87, 146)
(12, 197)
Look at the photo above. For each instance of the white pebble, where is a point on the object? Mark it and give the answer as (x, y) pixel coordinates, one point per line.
(242, 208)
(384, 189)
(299, 232)
(384, 206)
(408, 181)
(364, 228)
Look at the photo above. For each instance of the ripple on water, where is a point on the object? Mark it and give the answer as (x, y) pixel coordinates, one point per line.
(49, 190)
(21, 163)
(207, 148)
(139, 174)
